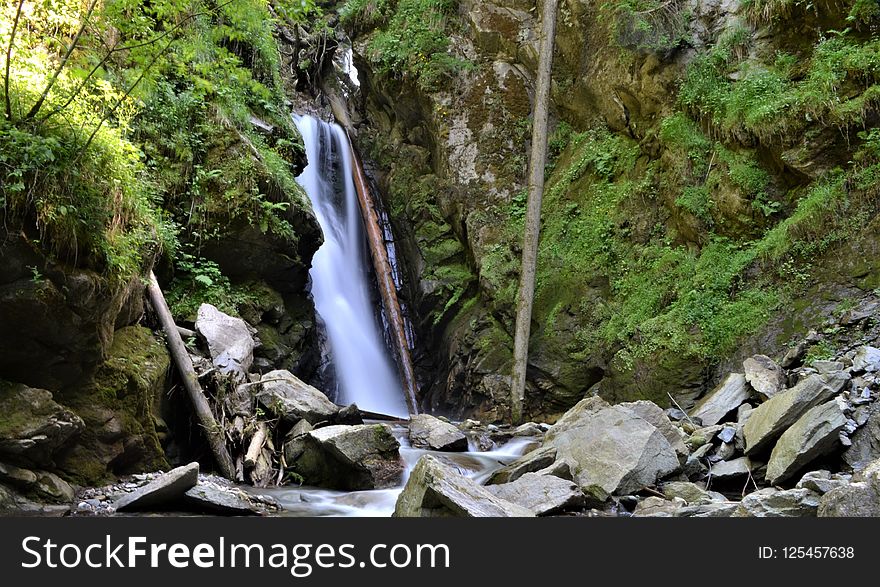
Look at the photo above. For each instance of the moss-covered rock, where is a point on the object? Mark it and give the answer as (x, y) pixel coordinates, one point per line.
(119, 405)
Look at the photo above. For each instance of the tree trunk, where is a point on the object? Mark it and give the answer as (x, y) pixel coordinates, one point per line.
(191, 381)
(537, 161)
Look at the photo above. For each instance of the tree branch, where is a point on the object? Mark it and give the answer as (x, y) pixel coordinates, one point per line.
(9, 60)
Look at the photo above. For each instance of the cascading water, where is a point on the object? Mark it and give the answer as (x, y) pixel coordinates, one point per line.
(339, 274)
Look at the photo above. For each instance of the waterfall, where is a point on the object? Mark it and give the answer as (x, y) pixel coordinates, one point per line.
(340, 275)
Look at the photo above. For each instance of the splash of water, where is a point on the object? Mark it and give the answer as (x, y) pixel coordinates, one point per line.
(339, 274)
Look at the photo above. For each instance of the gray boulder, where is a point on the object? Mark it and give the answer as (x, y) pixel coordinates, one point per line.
(533, 461)
(33, 426)
(162, 491)
(823, 481)
(229, 340)
(542, 494)
(725, 398)
(691, 493)
(769, 420)
(773, 503)
(865, 442)
(814, 435)
(611, 450)
(437, 490)
(286, 396)
(657, 507)
(764, 375)
(859, 499)
(731, 469)
(350, 457)
(867, 358)
(657, 417)
(223, 501)
(426, 431)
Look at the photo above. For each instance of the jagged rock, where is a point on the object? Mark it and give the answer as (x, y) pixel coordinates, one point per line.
(725, 398)
(657, 507)
(865, 441)
(33, 426)
(295, 443)
(162, 491)
(815, 434)
(727, 434)
(350, 457)
(426, 431)
(764, 375)
(349, 415)
(729, 469)
(437, 490)
(867, 358)
(611, 450)
(691, 493)
(861, 498)
(655, 415)
(773, 503)
(826, 367)
(542, 494)
(213, 499)
(823, 481)
(229, 340)
(286, 396)
(769, 420)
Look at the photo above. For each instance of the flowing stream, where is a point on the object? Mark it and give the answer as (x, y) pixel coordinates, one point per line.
(310, 501)
(340, 275)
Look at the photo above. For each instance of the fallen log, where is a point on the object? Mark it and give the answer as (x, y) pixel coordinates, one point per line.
(184, 365)
(255, 447)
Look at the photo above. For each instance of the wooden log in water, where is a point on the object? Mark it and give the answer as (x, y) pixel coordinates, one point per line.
(180, 356)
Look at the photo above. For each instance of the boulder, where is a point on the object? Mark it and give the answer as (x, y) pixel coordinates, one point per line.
(867, 358)
(730, 469)
(350, 457)
(543, 494)
(814, 435)
(433, 433)
(823, 481)
(437, 490)
(657, 507)
(229, 340)
(769, 420)
(861, 498)
(295, 442)
(773, 503)
(218, 500)
(33, 426)
(764, 375)
(865, 442)
(52, 487)
(533, 461)
(725, 398)
(161, 492)
(612, 451)
(287, 397)
(655, 415)
(691, 493)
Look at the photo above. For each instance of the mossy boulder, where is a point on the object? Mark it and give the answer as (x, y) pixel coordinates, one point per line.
(119, 406)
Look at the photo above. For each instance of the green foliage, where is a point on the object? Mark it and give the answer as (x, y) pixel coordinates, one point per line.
(648, 25)
(411, 38)
(698, 201)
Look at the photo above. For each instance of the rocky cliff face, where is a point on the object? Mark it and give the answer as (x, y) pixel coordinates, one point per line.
(702, 203)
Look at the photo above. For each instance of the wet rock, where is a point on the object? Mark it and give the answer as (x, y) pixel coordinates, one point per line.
(349, 415)
(764, 375)
(33, 426)
(823, 481)
(12, 475)
(611, 450)
(867, 358)
(286, 396)
(861, 498)
(437, 490)
(229, 340)
(162, 491)
(350, 457)
(769, 420)
(426, 431)
(815, 434)
(725, 398)
(295, 443)
(222, 501)
(773, 503)
(731, 469)
(542, 494)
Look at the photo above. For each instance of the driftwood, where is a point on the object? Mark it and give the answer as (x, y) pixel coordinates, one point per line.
(255, 447)
(182, 361)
